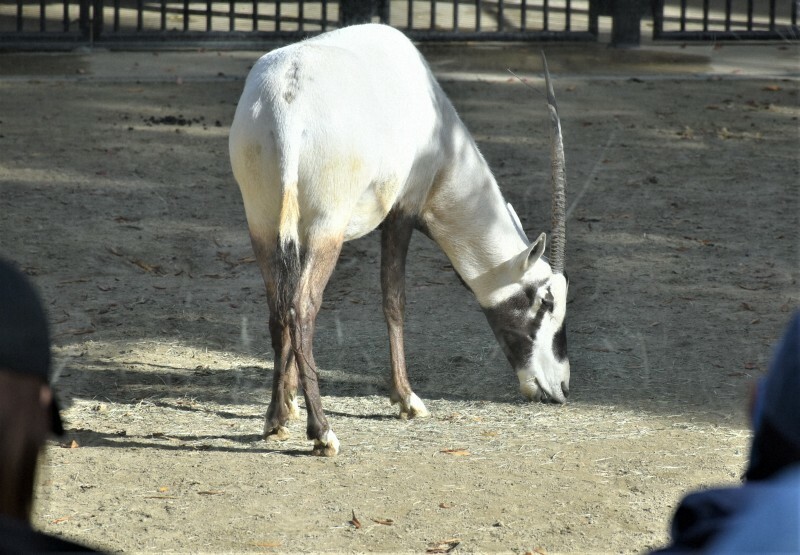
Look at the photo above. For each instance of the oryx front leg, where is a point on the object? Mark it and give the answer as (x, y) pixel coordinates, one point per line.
(395, 237)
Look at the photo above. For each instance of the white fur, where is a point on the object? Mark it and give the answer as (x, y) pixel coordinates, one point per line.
(332, 133)
(544, 373)
(329, 441)
(416, 407)
(367, 129)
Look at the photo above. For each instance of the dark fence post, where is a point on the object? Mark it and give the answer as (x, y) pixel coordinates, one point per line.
(98, 16)
(626, 17)
(352, 12)
(90, 20)
(85, 19)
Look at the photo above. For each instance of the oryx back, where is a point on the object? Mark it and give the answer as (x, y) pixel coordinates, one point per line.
(328, 132)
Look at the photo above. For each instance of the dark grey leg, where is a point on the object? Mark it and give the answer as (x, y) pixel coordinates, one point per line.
(320, 261)
(396, 233)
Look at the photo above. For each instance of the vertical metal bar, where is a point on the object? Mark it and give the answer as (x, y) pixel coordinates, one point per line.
(683, 15)
(749, 15)
(301, 11)
(278, 14)
(186, 15)
(410, 17)
(545, 15)
(66, 15)
(98, 16)
(231, 15)
(568, 17)
(19, 16)
(523, 15)
(594, 19)
(728, 11)
(706, 9)
(208, 15)
(324, 15)
(795, 9)
(772, 15)
(501, 15)
(42, 16)
(116, 15)
(163, 10)
(478, 9)
(433, 15)
(139, 15)
(658, 18)
(83, 19)
(255, 15)
(455, 15)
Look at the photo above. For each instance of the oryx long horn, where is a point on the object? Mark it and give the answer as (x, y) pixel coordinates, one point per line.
(558, 235)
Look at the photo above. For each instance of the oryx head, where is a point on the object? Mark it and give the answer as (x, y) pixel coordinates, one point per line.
(528, 312)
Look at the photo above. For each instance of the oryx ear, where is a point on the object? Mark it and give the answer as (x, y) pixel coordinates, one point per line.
(534, 252)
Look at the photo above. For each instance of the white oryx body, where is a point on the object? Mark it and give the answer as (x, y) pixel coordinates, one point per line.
(336, 135)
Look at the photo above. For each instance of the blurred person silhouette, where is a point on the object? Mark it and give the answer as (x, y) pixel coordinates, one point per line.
(763, 515)
(28, 412)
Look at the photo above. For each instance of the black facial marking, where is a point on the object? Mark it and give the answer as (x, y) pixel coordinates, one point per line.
(560, 343)
(548, 301)
(513, 326)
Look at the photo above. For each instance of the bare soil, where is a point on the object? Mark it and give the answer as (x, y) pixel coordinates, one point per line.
(117, 198)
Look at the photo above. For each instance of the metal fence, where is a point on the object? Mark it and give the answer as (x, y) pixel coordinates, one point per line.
(34, 23)
(726, 19)
(150, 21)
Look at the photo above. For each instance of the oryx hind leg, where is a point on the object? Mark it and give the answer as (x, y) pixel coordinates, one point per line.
(396, 232)
(279, 281)
(321, 254)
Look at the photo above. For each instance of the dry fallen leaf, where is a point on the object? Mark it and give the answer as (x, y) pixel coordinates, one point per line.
(456, 452)
(444, 546)
(384, 521)
(446, 505)
(211, 492)
(60, 520)
(355, 522)
(149, 268)
(267, 544)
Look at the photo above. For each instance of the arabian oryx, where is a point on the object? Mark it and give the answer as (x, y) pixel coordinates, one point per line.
(342, 133)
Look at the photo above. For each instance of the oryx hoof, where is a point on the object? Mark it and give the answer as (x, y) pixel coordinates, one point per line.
(328, 446)
(278, 433)
(413, 407)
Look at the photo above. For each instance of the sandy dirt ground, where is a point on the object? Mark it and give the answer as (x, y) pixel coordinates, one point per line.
(116, 197)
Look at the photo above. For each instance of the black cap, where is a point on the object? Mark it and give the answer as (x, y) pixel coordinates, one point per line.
(24, 336)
